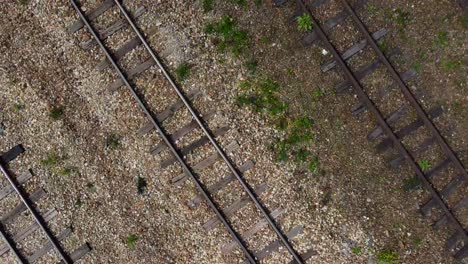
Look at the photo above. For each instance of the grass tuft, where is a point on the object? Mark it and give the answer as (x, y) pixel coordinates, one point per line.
(424, 165)
(91, 187)
(207, 5)
(411, 184)
(113, 141)
(464, 22)
(65, 172)
(56, 112)
(251, 66)
(131, 241)
(262, 96)
(141, 185)
(230, 37)
(357, 250)
(442, 39)
(402, 19)
(302, 155)
(304, 23)
(318, 93)
(18, 106)
(50, 161)
(387, 256)
(450, 65)
(303, 122)
(182, 72)
(238, 2)
(417, 242)
(314, 165)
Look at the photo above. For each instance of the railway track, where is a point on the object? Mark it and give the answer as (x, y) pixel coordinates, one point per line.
(446, 181)
(11, 239)
(178, 154)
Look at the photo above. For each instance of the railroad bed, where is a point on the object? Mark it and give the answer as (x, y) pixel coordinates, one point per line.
(12, 238)
(446, 181)
(208, 144)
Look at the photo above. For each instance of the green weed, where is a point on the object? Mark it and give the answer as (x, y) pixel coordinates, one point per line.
(207, 5)
(51, 160)
(262, 96)
(18, 106)
(78, 203)
(265, 40)
(113, 141)
(372, 9)
(384, 46)
(417, 242)
(131, 241)
(141, 185)
(460, 109)
(182, 72)
(56, 112)
(296, 135)
(450, 65)
(339, 124)
(238, 2)
(387, 256)
(447, 18)
(424, 165)
(327, 198)
(304, 22)
(314, 165)
(442, 39)
(302, 155)
(290, 72)
(230, 36)
(91, 187)
(402, 19)
(417, 66)
(65, 172)
(317, 93)
(357, 250)
(282, 149)
(251, 66)
(281, 123)
(303, 122)
(464, 22)
(411, 184)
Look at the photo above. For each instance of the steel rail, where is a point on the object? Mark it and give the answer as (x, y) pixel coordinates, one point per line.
(35, 215)
(406, 91)
(214, 143)
(381, 121)
(165, 138)
(11, 246)
(411, 98)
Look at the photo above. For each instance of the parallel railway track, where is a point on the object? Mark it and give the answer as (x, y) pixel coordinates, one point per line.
(449, 198)
(178, 154)
(11, 238)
